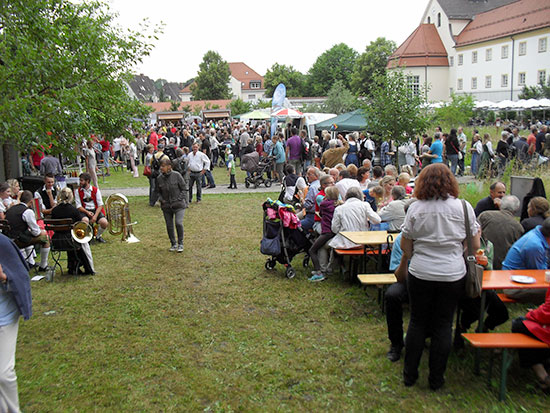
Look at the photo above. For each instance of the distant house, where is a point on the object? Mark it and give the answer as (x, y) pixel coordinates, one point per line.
(490, 49)
(162, 112)
(171, 91)
(143, 88)
(244, 83)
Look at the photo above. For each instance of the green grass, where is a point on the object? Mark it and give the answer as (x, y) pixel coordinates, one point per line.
(212, 330)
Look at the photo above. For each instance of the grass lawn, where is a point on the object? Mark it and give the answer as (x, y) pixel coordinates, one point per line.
(212, 330)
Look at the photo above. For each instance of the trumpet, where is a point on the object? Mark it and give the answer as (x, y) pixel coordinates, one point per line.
(118, 215)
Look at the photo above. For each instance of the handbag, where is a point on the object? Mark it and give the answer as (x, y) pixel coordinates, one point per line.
(474, 272)
(147, 170)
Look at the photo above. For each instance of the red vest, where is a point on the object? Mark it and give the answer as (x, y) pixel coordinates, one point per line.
(94, 198)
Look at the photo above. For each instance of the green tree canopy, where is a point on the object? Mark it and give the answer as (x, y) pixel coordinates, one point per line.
(393, 110)
(293, 80)
(212, 79)
(63, 72)
(334, 64)
(456, 112)
(542, 90)
(371, 63)
(340, 100)
(239, 106)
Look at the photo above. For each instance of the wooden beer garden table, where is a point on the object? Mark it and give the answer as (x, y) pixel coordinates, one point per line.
(370, 238)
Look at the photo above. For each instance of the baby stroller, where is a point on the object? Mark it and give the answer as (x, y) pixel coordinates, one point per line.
(283, 237)
(257, 169)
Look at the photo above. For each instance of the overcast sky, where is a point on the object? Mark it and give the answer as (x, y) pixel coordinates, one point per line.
(261, 33)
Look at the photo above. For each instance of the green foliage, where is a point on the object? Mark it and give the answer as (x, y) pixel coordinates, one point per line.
(261, 104)
(371, 63)
(159, 84)
(340, 99)
(337, 63)
(239, 106)
(455, 113)
(293, 80)
(542, 90)
(186, 108)
(212, 78)
(197, 110)
(174, 106)
(392, 110)
(63, 70)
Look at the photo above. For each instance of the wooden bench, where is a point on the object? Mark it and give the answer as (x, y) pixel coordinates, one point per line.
(354, 254)
(380, 281)
(504, 342)
(505, 299)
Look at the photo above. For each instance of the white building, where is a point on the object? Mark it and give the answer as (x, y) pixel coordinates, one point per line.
(494, 48)
(244, 83)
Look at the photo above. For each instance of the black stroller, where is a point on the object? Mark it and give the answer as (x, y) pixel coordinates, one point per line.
(257, 169)
(283, 237)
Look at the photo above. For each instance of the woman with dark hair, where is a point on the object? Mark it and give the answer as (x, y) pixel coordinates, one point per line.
(433, 237)
(451, 150)
(537, 189)
(538, 210)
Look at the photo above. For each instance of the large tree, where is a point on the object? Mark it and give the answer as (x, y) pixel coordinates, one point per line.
(212, 79)
(292, 79)
(394, 110)
(63, 72)
(334, 64)
(340, 99)
(371, 63)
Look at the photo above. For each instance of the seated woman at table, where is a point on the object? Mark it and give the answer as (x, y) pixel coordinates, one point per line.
(387, 183)
(373, 196)
(353, 215)
(63, 239)
(536, 323)
(393, 214)
(433, 236)
(538, 210)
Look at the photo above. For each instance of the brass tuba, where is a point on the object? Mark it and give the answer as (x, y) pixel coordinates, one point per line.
(82, 232)
(118, 215)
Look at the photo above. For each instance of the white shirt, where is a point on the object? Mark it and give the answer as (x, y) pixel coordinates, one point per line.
(116, 144)
(344, 184)
(198, 161)
(89, 205)
(393, 214)
(353, 215)
(478, 146)
(290, 190)
(29, 217)
(410, 154)
(490, 148)
(437, 229)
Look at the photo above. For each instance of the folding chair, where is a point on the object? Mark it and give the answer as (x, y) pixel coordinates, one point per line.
(57, 246)
(27, 252)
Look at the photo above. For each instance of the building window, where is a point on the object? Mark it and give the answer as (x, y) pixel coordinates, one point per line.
(504, 80)
(488, 81)
(522, 48)
(488, 55)
(451, 91)
(438, 19)
(414, 84)
(251, 97)
(542, 45)
(460, 59)
(521, 79)
(541, 77)
(474, 57)
(255, 85)
(451, 61)
(429, 20)
(504, 52)
(474, 83)
(459, 84)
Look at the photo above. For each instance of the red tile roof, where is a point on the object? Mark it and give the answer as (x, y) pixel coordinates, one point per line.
(243, 73)
(521, 16)
(187, 89)
(165, 106)
(422, 48)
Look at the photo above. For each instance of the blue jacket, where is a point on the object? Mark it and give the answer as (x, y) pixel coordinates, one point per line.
(530, 252)
(17, 272)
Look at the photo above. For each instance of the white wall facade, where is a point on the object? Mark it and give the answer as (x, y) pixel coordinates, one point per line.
(435, 78)
(508, 73)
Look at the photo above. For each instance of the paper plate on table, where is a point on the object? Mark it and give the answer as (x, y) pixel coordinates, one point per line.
(523, 279)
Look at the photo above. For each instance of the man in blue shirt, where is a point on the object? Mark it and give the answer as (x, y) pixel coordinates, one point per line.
(436, 150)
(530, 252)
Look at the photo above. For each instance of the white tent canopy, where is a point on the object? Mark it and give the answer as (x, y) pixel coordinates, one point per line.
(519, 105)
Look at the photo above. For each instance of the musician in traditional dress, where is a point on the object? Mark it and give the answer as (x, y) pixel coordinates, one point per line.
(46, 196)
(89, 202)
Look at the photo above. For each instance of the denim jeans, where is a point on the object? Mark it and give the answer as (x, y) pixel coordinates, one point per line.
(308, 221)
(454, 162)
(169, 217)
(475, 163)
(432, 305)
(195, 179)
(153, 196)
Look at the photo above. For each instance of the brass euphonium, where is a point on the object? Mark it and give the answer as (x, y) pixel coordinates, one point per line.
(118, 215)
(82, 232)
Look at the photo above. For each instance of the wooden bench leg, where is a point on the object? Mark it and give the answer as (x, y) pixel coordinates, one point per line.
(506, 363)
(490, 371)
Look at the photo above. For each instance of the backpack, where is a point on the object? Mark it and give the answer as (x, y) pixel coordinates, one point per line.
(155, 165)
(304, 150)
(170, 151)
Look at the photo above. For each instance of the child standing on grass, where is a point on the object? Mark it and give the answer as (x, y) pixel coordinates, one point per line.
(231, 172)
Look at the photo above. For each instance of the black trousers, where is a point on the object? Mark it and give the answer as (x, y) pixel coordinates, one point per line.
(529, 357)
(432, 305)
(497, 313)
(396, 295)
